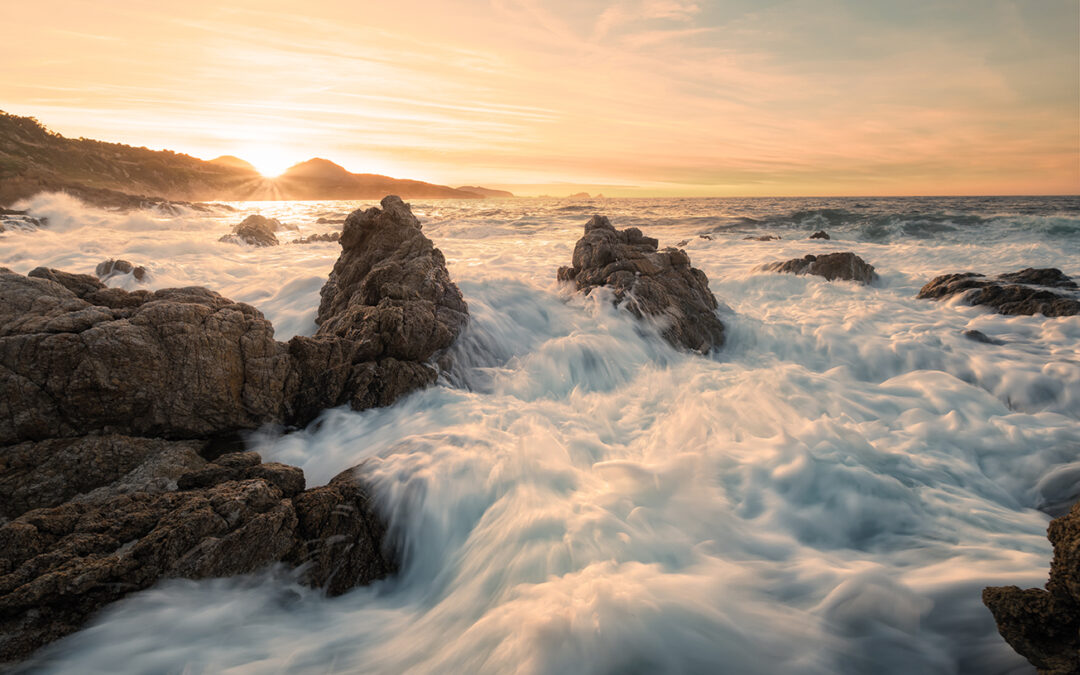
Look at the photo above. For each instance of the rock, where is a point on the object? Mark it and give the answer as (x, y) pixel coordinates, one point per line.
(329, 221)
(339, 543)
(658, 284)
(1044, 625)
(256, 230)
(832, 266)
(59, 565)
(314, 238)
(820, 234)
(979, 336)
(110, 268)
(11, 219)
(1017, 293)
(764, 237)
(78, 358)
(705, 236)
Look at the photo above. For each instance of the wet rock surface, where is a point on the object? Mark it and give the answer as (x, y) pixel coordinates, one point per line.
(1043, 625)
(120, 411)
(832, 266)
(820, 234)
(316, 238)
(58, 565)
(659, 284)
(107, 269)
(1045, 291)
(11, 219)
(255, 230)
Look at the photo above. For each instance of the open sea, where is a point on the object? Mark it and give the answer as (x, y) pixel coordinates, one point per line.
(828, 493)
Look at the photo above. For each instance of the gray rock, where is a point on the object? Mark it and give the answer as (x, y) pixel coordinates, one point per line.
(654, 283)
(979, 336)
(1017, 293)
(832, 266)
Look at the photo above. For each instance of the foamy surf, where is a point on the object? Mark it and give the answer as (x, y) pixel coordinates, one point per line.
(829, 493)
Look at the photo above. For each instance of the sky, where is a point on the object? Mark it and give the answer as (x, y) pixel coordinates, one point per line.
(626, 97)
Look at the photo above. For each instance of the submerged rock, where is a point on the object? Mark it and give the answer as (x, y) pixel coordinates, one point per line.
(764, 237)
(315, 238)
(654, 283)
(1043, 626)
(832, 266)
(60, 564)
(1017, 293)
(820, 234)
(110, 268)
(11, 219)
(255, 230)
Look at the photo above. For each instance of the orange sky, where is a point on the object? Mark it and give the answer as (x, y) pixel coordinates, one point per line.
(635, 97)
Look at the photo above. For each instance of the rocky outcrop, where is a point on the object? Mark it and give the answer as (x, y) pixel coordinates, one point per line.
(832, 266)
(117, 410)
(764, 237)
(820, 234)
(235, 515)
(1017, 293)
(316, 238)
(1044, 625)
(107, 269)
(255, 230)
(659, 284)
(11, 219)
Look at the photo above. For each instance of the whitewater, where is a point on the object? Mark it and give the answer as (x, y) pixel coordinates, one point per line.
(827, 493)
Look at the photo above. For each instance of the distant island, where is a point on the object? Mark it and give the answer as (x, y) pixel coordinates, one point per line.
(34, 159)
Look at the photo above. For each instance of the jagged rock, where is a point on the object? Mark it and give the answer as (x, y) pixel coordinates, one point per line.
(76, 358)
(390, 287)
(820, 234)
(658, 284)
(110, 268)
(764, 237)
(1017, 293)
(311, 239)
(832, 266)
(255, 230)
(1043, 626)
(58, 565)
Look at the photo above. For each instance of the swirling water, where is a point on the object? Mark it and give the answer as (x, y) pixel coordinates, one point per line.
(829, 493)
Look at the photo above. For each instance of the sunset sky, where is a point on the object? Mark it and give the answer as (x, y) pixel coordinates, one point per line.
(662, 97)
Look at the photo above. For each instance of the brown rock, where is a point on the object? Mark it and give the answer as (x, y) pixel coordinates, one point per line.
(110, 268)
(1044, 625)
(1017, 293)
(255, 230)
(653, 283)
(316, 238)
(832, 266)
(820, 234)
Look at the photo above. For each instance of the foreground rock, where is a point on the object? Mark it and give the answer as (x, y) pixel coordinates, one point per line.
(1044, 625)
(659, 284)
(58, 565)
(107, 269)
(256, 230)
(117, 410)
(832, 266)
(1017, 293)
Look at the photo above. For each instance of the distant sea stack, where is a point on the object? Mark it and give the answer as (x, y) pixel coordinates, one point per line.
(112, 175)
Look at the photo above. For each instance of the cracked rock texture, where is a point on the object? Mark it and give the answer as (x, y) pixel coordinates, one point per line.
(659, 284)
(1045, 291)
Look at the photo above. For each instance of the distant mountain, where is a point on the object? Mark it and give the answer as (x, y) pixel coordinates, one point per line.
(34, 159)
(235, 162)
(486, 192)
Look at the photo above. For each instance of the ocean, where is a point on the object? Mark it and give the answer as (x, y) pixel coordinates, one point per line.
(827, 493)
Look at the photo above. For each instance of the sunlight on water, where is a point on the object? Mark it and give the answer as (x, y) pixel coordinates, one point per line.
(829, 493)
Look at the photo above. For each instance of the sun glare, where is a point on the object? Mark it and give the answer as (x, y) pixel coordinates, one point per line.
(267, 161)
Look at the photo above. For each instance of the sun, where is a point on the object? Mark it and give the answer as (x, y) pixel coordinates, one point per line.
(269, 162)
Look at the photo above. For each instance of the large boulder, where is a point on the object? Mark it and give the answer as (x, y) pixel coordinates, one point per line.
(1018, 293)
(77, 357)
(1043, 625)
(659, 284)
(59, 565)
(832, 266)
